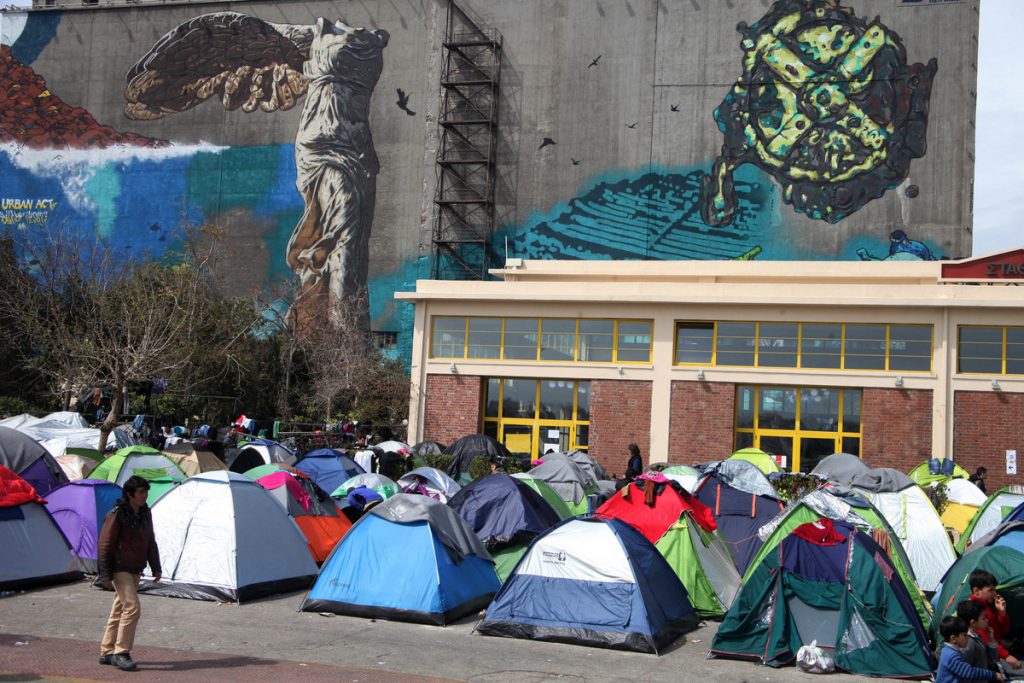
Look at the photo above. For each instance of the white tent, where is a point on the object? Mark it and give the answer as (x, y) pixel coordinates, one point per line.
(222, 536)
(60, 431)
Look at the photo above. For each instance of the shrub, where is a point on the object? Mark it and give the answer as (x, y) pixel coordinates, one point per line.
(480, 466)
(938, 495)
(793, 485)
(439, 461)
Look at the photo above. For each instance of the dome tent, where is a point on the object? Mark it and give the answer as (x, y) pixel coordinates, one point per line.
(259, 452)
(429, 481)
(24, 456)
(592, 581)
(569, 480)
(842, 468)
(223, 537)
(540, 486)
(757, 458)
(994, 510)
(144, 461)
(410, 558)
(35, 552)
(328, 467)
(315, 513)
(469, 447)
(378, 482)
(78, 508)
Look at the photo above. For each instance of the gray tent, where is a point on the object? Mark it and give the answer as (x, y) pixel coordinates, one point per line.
(842, 468)
(24, 456)
(883, 480)
(571, 482)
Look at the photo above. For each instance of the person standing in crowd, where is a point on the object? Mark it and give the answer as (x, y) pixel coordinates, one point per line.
(126, 545)
(978, 479)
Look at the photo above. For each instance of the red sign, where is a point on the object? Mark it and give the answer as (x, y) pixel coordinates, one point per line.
(1008, 265)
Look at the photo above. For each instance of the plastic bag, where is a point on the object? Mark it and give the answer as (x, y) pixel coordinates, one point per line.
(814, 660)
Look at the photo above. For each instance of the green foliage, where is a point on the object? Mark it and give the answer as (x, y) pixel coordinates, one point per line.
(439, 461)
(793, 485)
(515, 465)
(938, 495)
(480, 466)
(14, 405)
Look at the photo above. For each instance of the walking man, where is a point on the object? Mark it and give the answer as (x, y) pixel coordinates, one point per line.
(126, 545)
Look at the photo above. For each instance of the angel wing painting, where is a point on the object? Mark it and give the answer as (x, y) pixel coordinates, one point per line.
(250, 63)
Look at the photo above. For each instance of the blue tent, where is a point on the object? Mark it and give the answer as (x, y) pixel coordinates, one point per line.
(1009, 534)
(591, 581)
(410, 558)
(742, 501)
(328, 468)
(506, 515)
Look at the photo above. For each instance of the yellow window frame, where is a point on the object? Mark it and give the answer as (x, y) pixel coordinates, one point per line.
(1003, 348)
(536, 422)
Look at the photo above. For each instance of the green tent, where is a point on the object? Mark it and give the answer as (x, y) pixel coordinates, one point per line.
(683, 531)
(378, 482)
(687, 477)
(810, 508)
(844, 595)
(90, 453)
(158, 487)
(757, 458)
(990, 514)
(264, 470)
(144, 461)
(548, 493)
(922, 477)
(1006, 564)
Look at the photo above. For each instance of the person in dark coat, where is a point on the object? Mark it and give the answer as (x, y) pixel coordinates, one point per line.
(126, 544)
(978, 479)
(634, 468)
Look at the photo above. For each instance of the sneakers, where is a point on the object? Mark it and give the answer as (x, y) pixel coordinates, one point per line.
(123, 661)
(106, 660)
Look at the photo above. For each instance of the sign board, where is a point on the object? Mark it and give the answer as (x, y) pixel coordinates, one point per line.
(1008, 265)
(1011, 462)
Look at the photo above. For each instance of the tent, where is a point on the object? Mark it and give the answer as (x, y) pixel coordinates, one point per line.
(911, 515)
(757, 458)
(260, 452)
(144, 461)
(506, 514)
(945, 471)
(839, 503)
(391, 446)
(378, 482)
(742, 501)
(1009, 534)
(829, 582)
(429, 481)
(410, 558)
(223, 537)
(159, 487)
(59, 431)
(684, 475)
(75, 466)
(589, 465)
(841, 468)
(35, 552)
(315, 512)
(548, 493)
(963, 499)
(329, 468)
(192, 461)
(1006, 564)
(78, 508)
(24, 456)
(428, 448)
(684, 532)
(592, 581)
(469, 447)
(569, 481)
(993, 511)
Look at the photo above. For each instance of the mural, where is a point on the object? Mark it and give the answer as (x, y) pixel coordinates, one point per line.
(826, 105)
(250, 63)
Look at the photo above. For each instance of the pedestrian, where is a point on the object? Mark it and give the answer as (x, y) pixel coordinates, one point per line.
(978, 478)
(126, 545)
(634, 467)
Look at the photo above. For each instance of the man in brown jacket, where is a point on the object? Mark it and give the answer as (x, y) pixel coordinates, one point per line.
(126, 545)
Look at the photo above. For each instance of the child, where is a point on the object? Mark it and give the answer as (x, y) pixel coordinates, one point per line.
(977, 653)
(952, 666)
(983, 590)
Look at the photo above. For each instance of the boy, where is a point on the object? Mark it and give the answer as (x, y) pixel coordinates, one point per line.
(952, 666)
(977, 653)
(983, 590)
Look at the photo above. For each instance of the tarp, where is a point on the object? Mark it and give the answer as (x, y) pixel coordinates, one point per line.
(594, 582)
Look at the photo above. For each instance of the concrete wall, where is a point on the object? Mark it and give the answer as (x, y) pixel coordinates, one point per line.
(627, 89)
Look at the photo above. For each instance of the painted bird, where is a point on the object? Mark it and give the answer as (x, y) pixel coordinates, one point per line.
(575, 162)
(632, 125)
(403, 102)
(545, 142)
(674, 107)
(595, 61)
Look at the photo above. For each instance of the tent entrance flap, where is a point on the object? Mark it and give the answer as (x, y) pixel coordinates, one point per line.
(814, 623)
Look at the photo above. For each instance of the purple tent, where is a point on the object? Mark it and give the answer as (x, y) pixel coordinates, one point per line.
(23, 455)
(79, 508)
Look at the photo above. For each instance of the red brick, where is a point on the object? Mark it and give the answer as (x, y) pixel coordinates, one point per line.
(620, 414)
(453, 406)
(896, 425)
(701, 421)
(986, 424)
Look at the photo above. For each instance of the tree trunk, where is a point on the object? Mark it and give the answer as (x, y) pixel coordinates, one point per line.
(110, 419)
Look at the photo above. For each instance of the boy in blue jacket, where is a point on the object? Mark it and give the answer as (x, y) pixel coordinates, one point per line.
(953, 668)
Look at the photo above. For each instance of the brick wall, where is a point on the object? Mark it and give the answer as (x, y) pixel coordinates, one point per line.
(620, 414)
(453, 407)
(897, 428)
(701, 421)
(986, 424)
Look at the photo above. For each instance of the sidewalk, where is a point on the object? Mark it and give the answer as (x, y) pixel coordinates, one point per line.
(27, 658)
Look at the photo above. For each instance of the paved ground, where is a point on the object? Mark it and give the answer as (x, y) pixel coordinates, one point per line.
(51, 635)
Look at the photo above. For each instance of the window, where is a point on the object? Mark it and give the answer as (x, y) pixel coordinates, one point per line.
(564, 340)
(835, 346)
(991, 350)
(536, 416)
(801, 424)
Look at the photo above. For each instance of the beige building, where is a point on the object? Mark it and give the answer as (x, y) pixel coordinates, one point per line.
(895, 361)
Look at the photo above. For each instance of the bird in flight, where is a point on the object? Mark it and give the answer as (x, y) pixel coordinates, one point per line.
(575, 162)
(632, 125)
(545, 142)
(674, 107)
(403, 102)
(595, 61)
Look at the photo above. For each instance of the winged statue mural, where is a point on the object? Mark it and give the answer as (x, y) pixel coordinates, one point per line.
(253, 64)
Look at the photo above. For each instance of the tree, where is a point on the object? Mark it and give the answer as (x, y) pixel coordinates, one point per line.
(97, 319)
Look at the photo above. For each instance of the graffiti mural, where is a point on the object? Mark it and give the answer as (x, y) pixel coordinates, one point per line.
(250, 63)
(827, 105)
